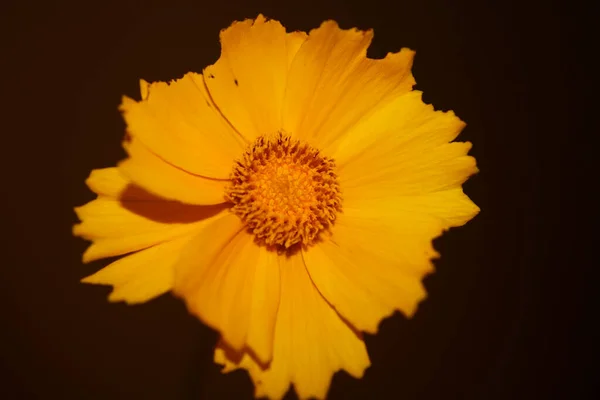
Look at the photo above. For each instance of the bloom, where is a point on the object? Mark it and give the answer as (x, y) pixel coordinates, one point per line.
(289, 195)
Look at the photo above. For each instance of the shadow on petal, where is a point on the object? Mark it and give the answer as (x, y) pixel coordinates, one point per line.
(140, 202)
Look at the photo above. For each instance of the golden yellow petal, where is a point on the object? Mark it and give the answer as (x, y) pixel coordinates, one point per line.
(111, 183)
(248, 81)
(149, 171)
(120, 226)
(107, 182)
(179, 123)
(125, 218)
(450, 208)
(369, 270)
(293, 41)
(402, 149)
(231, 284)
(144, 89)
(311, 342)
(143, 275)
(379, 252)
(405, 173)
(332, 84)
(404, 124)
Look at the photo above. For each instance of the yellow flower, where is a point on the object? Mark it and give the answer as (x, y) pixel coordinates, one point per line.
(289, 195)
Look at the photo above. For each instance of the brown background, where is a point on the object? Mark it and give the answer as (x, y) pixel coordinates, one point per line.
(502, 304)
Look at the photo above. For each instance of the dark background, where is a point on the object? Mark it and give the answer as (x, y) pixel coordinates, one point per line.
(503, 311)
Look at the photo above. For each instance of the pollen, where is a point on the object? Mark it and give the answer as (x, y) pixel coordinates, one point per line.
(285, 191)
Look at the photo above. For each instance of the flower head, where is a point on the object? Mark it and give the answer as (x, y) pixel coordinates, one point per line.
(289, 195)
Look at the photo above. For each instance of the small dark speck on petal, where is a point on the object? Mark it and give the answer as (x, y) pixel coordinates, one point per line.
(236, 82)
(211, 76)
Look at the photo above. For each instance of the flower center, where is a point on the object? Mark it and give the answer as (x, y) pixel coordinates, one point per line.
(285, 192)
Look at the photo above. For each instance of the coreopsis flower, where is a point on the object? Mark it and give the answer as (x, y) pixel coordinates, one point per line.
(289, 195)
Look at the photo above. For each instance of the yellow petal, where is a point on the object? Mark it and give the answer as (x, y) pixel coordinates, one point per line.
(178, 123)
(144, 89)
(293, 41)
(404, 173)
(110, 182)
(150, 172)
(368, 270)
(126, 218)
(118, 226)
(311, 342)
(141, 276)
(107, 182)
(231, 284)
(379, 252)
(402, 149)
(248, 81)
(450, 208)
(404, 124)
(332, 84)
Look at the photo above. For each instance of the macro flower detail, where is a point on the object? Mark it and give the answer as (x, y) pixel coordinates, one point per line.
(285, 192)
(289, 195)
